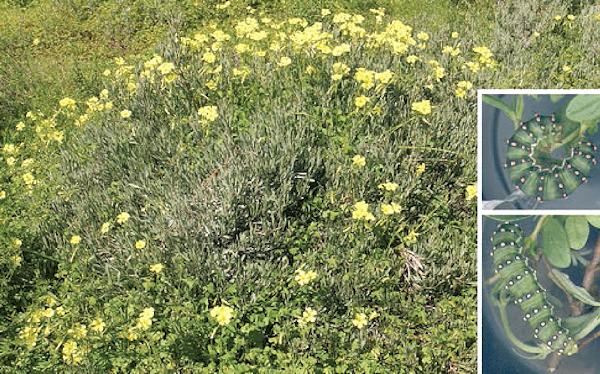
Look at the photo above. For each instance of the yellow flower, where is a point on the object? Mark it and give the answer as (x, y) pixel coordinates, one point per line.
(384, 77)
(48, 313)
(411, 237)
(105, 227)
(423, 107)
(473, 66)
(412, 59)
(304, 277)
(325, 12)
(360, 320)
(125, 114)
(388, 186)
(422, 36)
(57, 135)
(2, 195)
(209, 57)
(9, 148)
(460, 93)
(97, 325)
(567, 69)
(308, 316)
(144, 323)
(471, 192)
(29, 335)
(67, 102)
(209, 112)
(454, 35)
(166, 68)
(123, 217)
(16, 259)
(71, 355)
(310, 70)
(536, 34)
(420, 169)
(361, 101)
(242, 48)
(373, 315)
(131, 335)
(389, 209)
(36, 41)
(570, 17)
(465, 84)
(359, 160)
(106, 72)
(439, 72)
(10, 161)
(361, 210)
(28, 178)
(78, 331)
(147, 313)
(157, 268)
(212, 85)
(557, 17)
(340, 49)
(284, 61)
(75, 239)
(145, 320)
(222, 6)
(222, 314)
(140, 244)
(27, 163)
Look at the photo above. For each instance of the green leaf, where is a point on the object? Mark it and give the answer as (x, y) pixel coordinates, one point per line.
(584, 108)
(578, 230)
(556, 98)
(497, 103)
(588, 126)
(564, 282)
(583, 325)
(507, 218)
(593, 220)
(555, 243)
(519, 107)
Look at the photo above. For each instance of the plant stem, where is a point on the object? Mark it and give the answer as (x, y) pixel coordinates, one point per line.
(577, 306)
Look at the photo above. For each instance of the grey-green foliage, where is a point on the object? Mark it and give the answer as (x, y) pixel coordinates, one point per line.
(212, 203)
(515, 23)
(589, 43)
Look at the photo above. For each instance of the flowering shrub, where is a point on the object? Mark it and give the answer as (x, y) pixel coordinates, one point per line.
(270, 194)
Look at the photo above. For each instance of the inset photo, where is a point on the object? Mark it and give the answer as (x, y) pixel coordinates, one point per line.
(539, 149)
(540, 306)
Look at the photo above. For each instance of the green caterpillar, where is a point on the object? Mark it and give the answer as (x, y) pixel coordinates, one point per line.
(533, 170)
(518, 283)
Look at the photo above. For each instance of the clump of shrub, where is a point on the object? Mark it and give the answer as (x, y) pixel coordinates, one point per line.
(270, 197)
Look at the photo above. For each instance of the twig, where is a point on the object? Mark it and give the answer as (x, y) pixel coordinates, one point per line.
(590, 269)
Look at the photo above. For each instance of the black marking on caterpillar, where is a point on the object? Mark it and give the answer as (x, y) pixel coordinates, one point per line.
(543, 178)
(519, 282)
